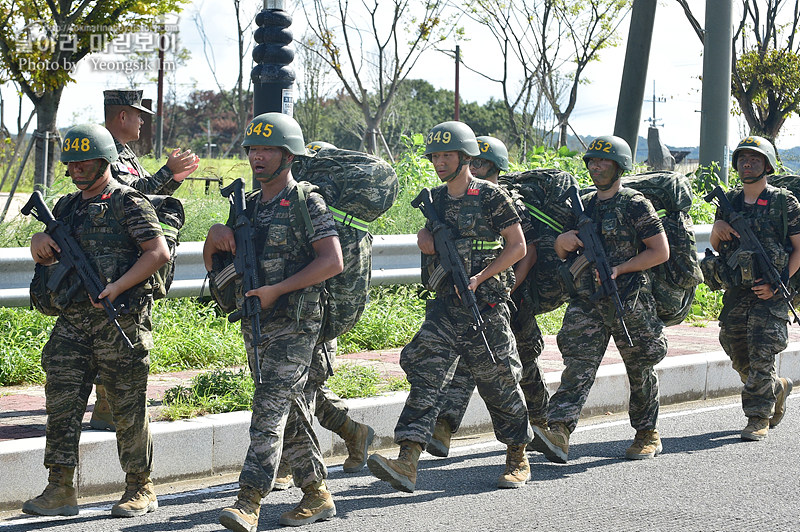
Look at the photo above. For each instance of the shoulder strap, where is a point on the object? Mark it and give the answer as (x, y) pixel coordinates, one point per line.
(301, 208)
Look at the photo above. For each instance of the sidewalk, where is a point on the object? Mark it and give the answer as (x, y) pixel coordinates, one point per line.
(695, 369)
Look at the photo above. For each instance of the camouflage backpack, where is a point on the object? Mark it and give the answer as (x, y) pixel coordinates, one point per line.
(541, 189)
(171, 217)
(358, 188)
(673, 282)
(792, 184)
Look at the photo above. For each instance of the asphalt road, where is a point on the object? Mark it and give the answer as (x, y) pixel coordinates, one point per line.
(706, 479)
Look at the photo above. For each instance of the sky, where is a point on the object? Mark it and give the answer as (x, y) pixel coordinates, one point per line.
(673, 74)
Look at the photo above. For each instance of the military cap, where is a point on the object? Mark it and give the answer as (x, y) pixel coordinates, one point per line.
(132, 98)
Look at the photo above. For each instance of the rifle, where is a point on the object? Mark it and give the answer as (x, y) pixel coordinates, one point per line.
(72, 256)
(451, 262)
(246, 264)
(594, 252)
(749, 242)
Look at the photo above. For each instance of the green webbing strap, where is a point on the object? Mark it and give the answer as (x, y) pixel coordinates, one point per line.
(169, 230)
(301, 209)
(486, 245)
(542, 217)
(662, 213)
(347, 219)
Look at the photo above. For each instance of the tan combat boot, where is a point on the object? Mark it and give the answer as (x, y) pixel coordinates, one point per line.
(58, 498)
(283, 478)
(316, 505)
(518, 470)
(552, 442)
(780, 401)
(400, 473)
(101, 415)
(243, 517)
(646, 444)
(756, 430)
(139, 497)
(440, 441)
(357, 437)
(540, 422)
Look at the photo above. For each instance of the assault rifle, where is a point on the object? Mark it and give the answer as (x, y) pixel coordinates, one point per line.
(595, 254)
(246, 265)
(749, 242)
(451, 262)
(72, 256)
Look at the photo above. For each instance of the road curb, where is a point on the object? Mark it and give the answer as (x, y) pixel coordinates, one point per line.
(216, 444)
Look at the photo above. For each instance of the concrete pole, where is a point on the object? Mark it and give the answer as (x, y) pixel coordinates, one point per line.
(716, 100)
(634, 73)
(273, 76)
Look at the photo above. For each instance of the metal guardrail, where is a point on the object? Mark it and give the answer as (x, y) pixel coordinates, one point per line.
(395, 260)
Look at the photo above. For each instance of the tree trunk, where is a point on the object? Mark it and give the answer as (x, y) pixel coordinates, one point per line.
(46, 111)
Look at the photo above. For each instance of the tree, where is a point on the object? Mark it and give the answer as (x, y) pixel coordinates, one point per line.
(765, 80)
(41, 42)
(381, 55)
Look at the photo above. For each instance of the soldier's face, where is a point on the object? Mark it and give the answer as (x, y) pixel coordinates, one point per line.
(445, 163)
(132, 123)
(602, 171)
(264, 161)
(483, 169)
(751, 165)
(85, 174)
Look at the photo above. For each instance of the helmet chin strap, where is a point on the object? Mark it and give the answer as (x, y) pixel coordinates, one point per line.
(611, 183)
(461, 162)
(285, 163)
(751, 180)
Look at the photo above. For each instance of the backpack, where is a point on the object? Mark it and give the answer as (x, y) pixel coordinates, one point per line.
(171, 217)
(792, 184)
(541, 190)
(675, 281)
(358, 188)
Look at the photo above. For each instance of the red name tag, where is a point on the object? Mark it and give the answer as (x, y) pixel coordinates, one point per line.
(761, 202)
(472, 191)
(285, 203)
(133, 170)
(105, 196)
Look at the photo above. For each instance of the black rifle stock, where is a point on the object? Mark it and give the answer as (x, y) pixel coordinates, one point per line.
(246, 264)
(451, 262)
(749, 242)
(72, 256)
(596, 255)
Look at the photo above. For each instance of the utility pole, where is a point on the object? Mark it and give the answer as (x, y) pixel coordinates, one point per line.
(457, 114)
(273, 77)
(160, 107)
(716, 99)
(655, 122)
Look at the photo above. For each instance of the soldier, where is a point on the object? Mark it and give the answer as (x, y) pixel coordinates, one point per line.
(478, 212)
(123, 109)
(293, 268)
(634, 241)
(126, 246)
(753, 321)
(493, 159)
(331, 411)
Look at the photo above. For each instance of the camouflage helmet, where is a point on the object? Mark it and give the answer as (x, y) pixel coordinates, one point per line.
(758, 145)
(88, 141)
(493, 150)
(613, 148)
(316, 145)
(275, 129)
(451, 136)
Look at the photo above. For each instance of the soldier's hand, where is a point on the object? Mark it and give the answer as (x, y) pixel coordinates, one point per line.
(425, 242)
(182, 164)
(110, 293)
(764, 291)
(266, 294)
(723, 231)
(44, 249)
(569, 241)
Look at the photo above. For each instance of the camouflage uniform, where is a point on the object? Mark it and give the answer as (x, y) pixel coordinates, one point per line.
(283, 403)
(752, 330)
(431, 358)
(529, 346)
(623, 221)
(83, 343)
(127, 169)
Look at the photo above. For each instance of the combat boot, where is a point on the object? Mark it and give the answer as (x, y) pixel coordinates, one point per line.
(540, 422)
(780, 401)
(440, 441)
(357, 437)
(552, 442)
(400, 473)
(101, 415)
(316, 505)
(756, 430)
(58, 498)
(518, 470)
(243, 517)
(283, 478)
(139, 497)
(646, 444)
